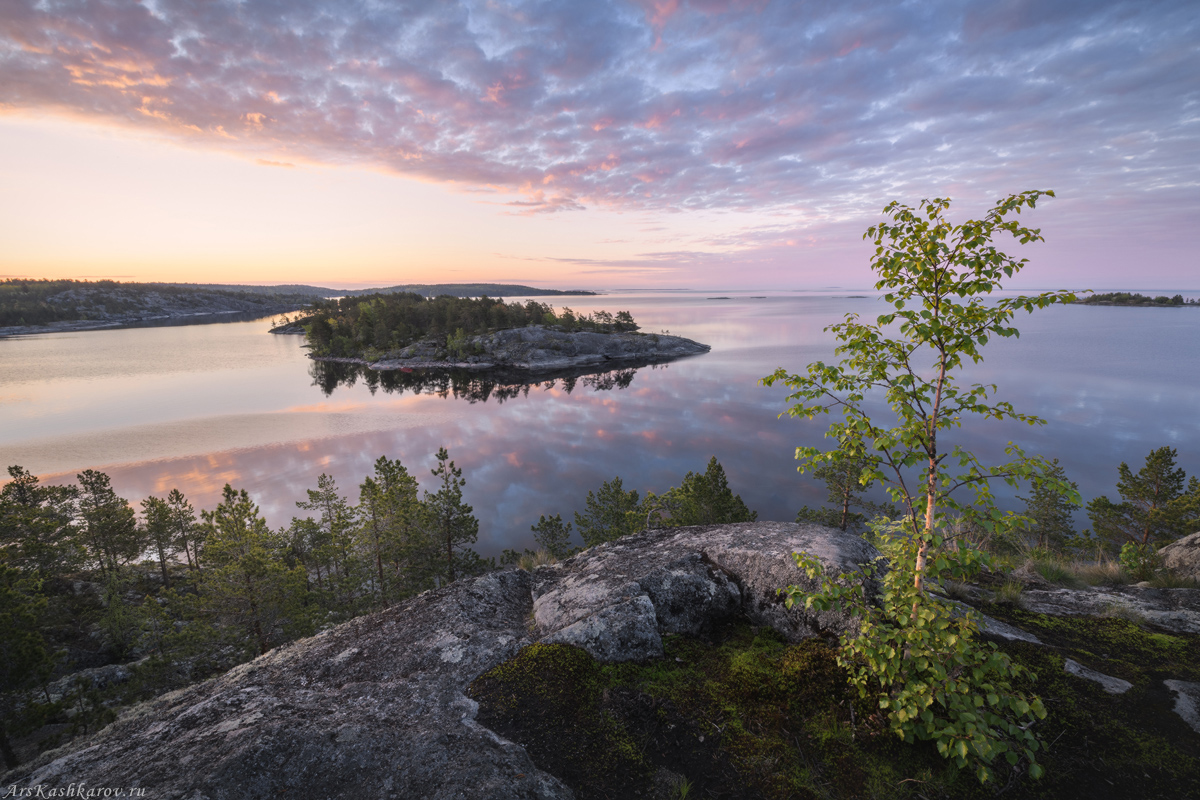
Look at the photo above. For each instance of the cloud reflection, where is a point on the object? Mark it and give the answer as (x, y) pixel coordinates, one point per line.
(1113, 383)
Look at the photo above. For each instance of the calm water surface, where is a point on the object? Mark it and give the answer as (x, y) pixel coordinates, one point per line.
(200, 406)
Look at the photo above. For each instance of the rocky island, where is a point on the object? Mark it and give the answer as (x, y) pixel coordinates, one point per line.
(408, 332)
(537, 349)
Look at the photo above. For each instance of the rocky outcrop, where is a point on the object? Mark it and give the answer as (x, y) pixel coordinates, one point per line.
(538, 349)
(1183, 556)
(1176, 610)
(376, 707)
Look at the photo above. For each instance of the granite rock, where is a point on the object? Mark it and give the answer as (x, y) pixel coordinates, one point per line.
(375, 708)
(1183, 556)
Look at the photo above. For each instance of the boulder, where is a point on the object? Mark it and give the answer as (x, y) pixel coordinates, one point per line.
(375, 708)
(1183, 556)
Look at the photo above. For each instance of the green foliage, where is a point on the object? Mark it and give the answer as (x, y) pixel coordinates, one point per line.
(245, 583)
(24, 659)
(37, 525)
(610, 513)
(937, 277)
(109, 528)
(701, 499)
(921, 659)
(350, 326)
(1155, 506)
(329, 548)
(1141, 562)
(37, 302)
(553, 535)
(935, 681)
(1133, 299)
(186, 534)
(1051, 513)
(389, 511)
(450, 525)
(160, 531)
(121, 622)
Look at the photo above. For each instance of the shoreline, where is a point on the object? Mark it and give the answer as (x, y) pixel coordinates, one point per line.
(537, 349)
(163, 320)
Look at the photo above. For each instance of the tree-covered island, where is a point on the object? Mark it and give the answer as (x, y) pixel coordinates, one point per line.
(1135, 299)
(408, 330)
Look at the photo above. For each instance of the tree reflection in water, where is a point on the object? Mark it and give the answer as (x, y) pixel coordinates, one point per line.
(474, 387)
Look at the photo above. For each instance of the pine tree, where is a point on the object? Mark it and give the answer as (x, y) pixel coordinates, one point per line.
(701, 499)
(611, 512)
(450, 523)
(37, 530)
(1051, 512)
(389, 511)
(1155, 508)
(186, 532)
(332, 547)
(553, 535)
(246, 583)
(156, 517)
(109, 526)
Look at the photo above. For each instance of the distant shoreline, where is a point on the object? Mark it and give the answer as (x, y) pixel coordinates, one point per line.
(167, 320)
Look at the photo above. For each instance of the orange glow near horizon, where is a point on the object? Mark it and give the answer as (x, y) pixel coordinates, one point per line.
(90, 201)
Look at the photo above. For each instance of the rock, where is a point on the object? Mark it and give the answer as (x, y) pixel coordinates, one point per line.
(1107, 682)
(995, 629)
(95, 677)
(689, 578)
(1183, 556)
(1187, 701)
(540, 349)
(1176, 610)
(375, 708)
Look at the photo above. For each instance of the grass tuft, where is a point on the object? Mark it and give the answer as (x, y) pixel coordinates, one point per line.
(1009, 593)
(531, 561)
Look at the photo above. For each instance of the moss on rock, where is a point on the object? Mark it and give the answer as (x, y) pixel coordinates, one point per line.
(744, 714)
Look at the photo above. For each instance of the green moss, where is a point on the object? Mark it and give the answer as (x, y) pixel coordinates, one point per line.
(747, 715)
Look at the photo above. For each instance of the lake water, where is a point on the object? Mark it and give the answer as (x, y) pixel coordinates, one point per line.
(197, 407)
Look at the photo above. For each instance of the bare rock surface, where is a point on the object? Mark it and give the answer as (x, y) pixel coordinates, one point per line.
(375, 708)
(540, 349)
(602, 599)
(1187, 701)
(1176, 610)
(1183, 556)
(1107, 682)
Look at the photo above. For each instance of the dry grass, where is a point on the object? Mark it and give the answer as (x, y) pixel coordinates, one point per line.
(1010, 593)
(1099, 573)
(531, 561)
(1169, 579)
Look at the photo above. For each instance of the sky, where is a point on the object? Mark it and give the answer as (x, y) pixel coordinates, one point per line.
(655, 144)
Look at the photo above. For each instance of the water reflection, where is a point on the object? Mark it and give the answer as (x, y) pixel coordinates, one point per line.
(474, 387)
(193, 408)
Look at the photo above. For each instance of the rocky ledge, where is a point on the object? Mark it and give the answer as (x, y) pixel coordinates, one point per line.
(376, 707)
(537, 349)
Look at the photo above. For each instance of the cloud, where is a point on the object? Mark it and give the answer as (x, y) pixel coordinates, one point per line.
(660, 104)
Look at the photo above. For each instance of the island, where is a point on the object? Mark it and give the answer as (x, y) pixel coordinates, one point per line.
(1135, 299)
(407, 331)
